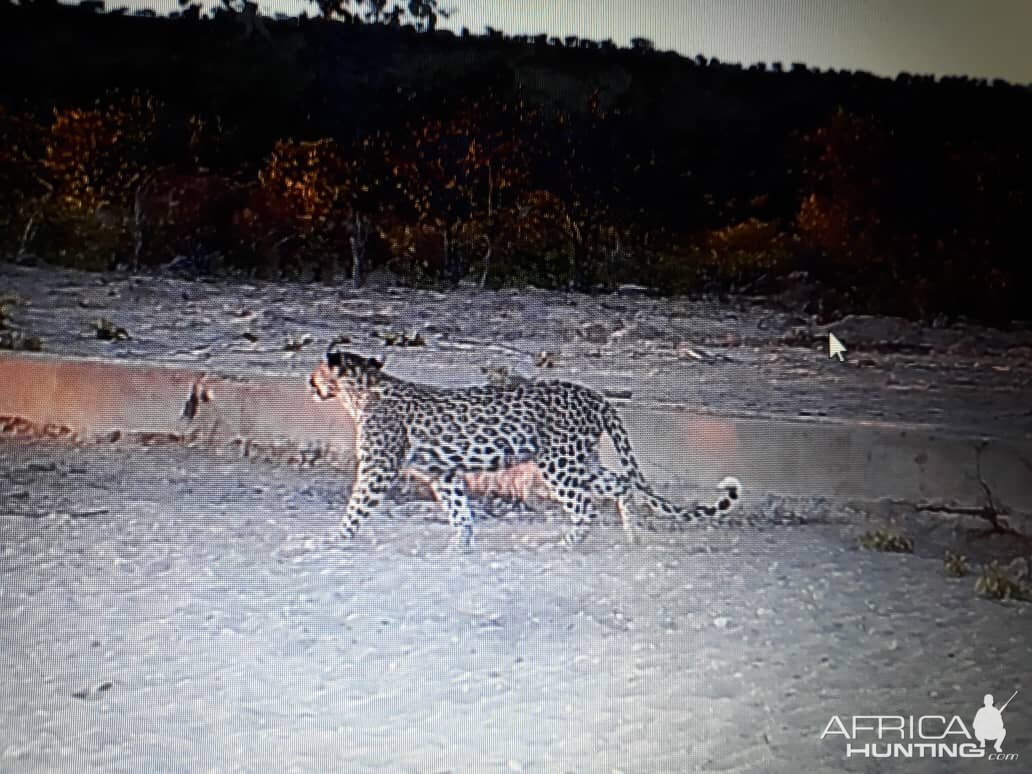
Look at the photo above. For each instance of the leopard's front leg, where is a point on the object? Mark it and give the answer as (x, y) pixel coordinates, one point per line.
(378, 469)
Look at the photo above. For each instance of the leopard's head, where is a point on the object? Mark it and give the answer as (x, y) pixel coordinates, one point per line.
(344, 375)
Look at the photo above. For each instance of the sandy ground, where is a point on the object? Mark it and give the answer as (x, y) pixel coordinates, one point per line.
(168, 610)
(735, 358)
(172, 609)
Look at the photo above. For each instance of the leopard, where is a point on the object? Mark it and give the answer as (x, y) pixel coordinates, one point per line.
(444, 433)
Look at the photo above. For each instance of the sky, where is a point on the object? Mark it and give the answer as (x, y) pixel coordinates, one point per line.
(978, 38)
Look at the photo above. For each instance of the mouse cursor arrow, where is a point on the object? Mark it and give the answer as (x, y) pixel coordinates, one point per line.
(835, 348)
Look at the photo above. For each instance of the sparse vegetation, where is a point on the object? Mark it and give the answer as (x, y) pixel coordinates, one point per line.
(107, 331)
(997, 583)
(546, 359)
(10, 337)
(5, 303)
(887, 540)
(955, 564)
(15, 340)
(401, 339)
(297, 343)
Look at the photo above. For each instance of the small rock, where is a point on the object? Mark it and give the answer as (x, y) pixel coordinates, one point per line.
(91, 693)
(595, 332)
(106, 330)
(546, 359)
(632, 290)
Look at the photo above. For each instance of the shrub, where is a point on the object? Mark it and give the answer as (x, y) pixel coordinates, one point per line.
(416, 250)
(310, 186)
(887, 540)
(92, 164)
(996, 583)
(22, 140)
(749, 248)
(311, 181)
(955, 564)
(184, 213)
(839, 213)
(533, 241)
(734, 254)
(96, 156)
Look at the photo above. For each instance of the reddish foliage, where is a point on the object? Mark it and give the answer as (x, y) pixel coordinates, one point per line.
(840, 215)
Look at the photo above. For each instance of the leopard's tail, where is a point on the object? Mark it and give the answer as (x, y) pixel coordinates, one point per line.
(730, 487)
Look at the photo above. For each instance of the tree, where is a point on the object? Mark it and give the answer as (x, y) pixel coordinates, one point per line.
(840, 213)
(458, 170)
(423, 13)
(317, 186)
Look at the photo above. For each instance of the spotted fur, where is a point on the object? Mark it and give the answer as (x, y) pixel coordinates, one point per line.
(445, 433)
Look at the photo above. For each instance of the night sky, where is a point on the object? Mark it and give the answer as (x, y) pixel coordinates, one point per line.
(979, 38)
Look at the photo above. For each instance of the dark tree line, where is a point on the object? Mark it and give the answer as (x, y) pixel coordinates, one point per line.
(304, 143)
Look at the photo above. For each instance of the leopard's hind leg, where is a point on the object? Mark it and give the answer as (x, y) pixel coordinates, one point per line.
(569, 485)
(450, 491)
(611, 485)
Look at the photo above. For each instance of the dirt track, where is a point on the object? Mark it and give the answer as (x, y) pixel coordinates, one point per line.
(165, 608)
(169, 611)
(736, 358)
